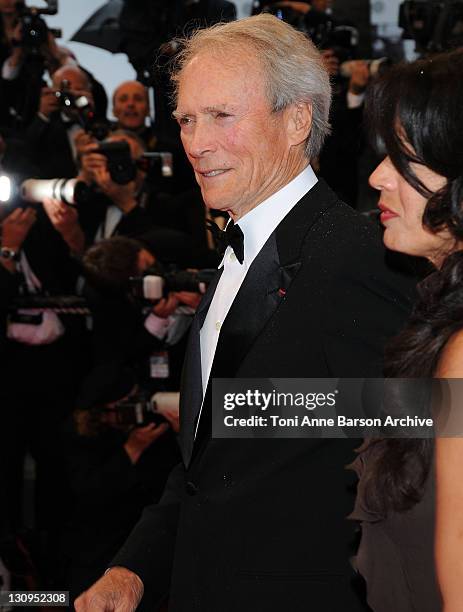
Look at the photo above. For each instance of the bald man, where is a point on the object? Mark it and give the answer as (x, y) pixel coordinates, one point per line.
(131, 106)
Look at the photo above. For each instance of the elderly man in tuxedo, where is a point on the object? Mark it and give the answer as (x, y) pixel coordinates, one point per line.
(259, 525)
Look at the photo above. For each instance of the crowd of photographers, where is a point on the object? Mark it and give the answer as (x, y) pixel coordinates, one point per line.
(95, 296)
(77, 336)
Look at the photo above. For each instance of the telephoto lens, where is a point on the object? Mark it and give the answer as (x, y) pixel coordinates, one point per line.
(69, 191)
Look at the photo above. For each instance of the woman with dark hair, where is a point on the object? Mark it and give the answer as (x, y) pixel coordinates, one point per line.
(416, 114)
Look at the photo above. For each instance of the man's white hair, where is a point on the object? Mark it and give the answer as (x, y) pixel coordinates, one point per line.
(293, 67)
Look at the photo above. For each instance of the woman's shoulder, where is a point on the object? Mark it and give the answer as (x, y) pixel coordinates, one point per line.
(450, 363)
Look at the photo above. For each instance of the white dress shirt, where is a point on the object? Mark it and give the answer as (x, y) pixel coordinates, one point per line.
(257, 225)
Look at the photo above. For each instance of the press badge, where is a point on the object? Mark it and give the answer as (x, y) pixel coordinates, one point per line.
(159, 365)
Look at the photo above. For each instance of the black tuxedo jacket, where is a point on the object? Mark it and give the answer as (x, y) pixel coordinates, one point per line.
(260, 525)
(49, 148)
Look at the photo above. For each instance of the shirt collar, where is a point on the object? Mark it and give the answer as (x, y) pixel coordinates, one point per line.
(261, 221)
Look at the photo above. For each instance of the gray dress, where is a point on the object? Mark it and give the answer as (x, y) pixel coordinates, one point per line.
(396, 553)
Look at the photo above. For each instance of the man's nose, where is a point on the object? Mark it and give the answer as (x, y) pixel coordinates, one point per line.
(200, 141)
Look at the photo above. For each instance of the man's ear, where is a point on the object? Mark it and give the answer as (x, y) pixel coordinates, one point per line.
(299, 122)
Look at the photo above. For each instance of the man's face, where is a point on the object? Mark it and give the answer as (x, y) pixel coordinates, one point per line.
(76, 79)
(238, 147)
(131, 105)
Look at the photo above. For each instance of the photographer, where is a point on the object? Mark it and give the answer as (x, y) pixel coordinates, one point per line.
(44, 358)
(115, 208)
(28, 48)
(132, 110)
(14, 229)
(51, 135)
(115, 172)
(149, 338)
(38, 347)
(9, 54)
(338, 43)
(114, 470)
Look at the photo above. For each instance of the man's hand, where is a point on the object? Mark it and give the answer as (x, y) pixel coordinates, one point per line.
(123, 196)
(167, 306)
(49, 103)
(119, 590)
(300, 7)
(89, 159)
(167, 404)
(82, 140)
(65, 220)
(16, 226)
(141, 438)
(189, 298)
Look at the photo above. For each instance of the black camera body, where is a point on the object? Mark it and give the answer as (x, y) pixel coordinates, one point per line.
(136, 411)
(324, 32)
(121, 166)
(33, 28)
(79, 107)
(154, 284)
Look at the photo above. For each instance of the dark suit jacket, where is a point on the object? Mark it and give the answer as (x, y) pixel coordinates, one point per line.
(108, 496)
(49, 147)
(93, 213)
(247, 525)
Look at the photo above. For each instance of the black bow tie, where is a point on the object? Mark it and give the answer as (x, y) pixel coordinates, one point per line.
(231, 236)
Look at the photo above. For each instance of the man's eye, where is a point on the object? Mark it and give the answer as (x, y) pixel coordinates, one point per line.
(184, 121)
(222, 115)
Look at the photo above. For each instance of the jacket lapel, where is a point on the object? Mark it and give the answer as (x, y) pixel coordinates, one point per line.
(259, 296)
(191, 395)
(268, 281)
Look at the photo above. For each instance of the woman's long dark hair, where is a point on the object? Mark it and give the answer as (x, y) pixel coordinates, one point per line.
(415, 114)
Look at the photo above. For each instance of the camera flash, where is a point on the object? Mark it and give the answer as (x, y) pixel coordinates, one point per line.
(5, 189)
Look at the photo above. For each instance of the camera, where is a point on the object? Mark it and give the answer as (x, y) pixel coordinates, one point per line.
(157, 163)
(123, 169)
(79, 107)
(324, 32)
(138, 410)
(34, 30)
(154, 285)
(433, 24)
(121, 166)
(376, 66)
(69, 191)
